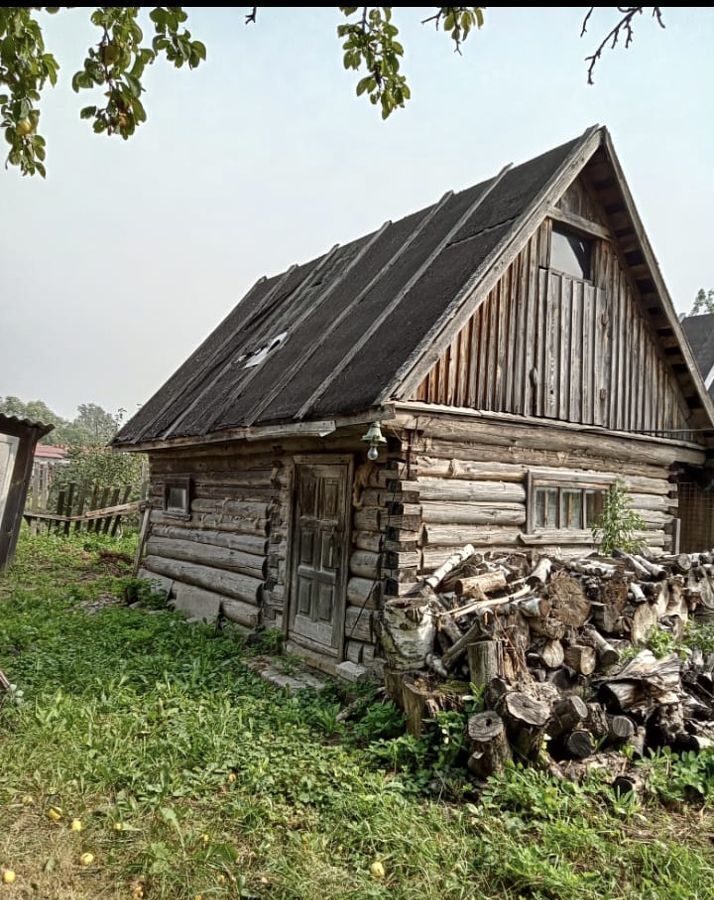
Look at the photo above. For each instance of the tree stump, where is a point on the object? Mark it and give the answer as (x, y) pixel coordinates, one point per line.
(489, 745)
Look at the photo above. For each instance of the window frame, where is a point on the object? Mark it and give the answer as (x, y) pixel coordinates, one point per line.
(184, 483)
(562, 483)
(557, 227)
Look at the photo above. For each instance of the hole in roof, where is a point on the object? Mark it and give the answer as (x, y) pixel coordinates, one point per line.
(260, 355)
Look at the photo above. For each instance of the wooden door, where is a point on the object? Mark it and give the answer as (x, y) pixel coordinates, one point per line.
(319, 556)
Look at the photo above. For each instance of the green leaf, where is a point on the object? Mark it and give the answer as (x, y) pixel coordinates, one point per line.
(88, 112)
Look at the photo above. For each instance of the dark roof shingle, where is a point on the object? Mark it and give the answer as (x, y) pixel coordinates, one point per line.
(391, 285)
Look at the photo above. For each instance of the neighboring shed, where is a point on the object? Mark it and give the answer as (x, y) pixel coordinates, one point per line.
(18, 438)
(700, 334)
(519, 349)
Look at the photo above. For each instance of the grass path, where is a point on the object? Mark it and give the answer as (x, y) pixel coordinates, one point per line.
(192, 778)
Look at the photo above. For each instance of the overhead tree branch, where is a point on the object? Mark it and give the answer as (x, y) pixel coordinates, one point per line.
(624, 26)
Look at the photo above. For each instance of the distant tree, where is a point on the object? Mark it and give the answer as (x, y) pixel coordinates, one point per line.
(115, 65)
(91, 427)
(703, 303)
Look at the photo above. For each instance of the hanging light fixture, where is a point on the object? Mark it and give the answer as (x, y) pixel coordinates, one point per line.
(374, 438)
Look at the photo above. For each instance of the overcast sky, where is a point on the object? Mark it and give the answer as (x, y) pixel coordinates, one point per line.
(118, 265)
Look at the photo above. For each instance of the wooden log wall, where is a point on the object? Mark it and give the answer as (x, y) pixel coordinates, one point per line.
(228, 550)
(470, 491)
(547, 345)
(233, 550)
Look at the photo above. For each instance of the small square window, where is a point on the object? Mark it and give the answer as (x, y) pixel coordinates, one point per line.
(177, 497)
(571, 254)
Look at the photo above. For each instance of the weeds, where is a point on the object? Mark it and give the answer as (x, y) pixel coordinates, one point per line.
(191, 776)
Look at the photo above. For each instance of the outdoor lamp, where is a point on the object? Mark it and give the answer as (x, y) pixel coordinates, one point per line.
(374, 438)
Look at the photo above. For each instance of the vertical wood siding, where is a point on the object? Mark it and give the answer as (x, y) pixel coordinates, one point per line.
(548, 345)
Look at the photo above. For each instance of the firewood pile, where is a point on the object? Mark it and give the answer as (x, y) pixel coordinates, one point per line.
(558, 648)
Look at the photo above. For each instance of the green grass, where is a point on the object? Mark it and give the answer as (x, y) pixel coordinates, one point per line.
(227, 787)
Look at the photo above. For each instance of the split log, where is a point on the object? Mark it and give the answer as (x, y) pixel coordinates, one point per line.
(436, 577)
(581, 658)
(637, 593)
(490, 751)
(596, 721)
(485, 661)
(525, 719)
(606, 617)
(541, 572)
(643, 681)
(552, 654)
(566, 714)
(607, 655)
(654, 569)
(644, 620)
(478, 585)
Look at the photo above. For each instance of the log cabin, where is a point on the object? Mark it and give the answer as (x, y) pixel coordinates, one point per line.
(515, 347)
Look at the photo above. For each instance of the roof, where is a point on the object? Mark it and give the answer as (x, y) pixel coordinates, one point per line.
(47, 451)
(342, 333)
(19, 427)
(700, 334)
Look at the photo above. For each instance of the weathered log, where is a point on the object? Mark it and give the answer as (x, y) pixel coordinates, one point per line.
(596, 721)
(515, 602)
(407, 633)
(490, 751)
(359, 624)
(607, 655)
(605, 616)
(485, 661)
(645, 680)
(446, 538)
(637, 593)
(566, 714)
(581, 658)
(620, 729)
(207, 555)
(434, 663)
(525, 719)
(473, 513)
(548, 627)
(363, 592)
(436, 577)
(247, 543)
(654, 569)
(459, 648)
(541, 572)
(552, 654)
(644, 620)
(578, 744)
(463, 490)
(365, 564)
(230, 584)
(478, 585)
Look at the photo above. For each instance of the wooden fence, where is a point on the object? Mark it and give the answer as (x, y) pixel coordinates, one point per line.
(93, 508)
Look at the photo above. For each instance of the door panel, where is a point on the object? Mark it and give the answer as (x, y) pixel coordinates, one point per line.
(319, 555)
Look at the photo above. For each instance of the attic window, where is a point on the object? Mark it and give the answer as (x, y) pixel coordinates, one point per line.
(260, 355)
(571, 254)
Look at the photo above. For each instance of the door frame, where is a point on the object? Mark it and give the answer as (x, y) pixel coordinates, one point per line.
(308, 459)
